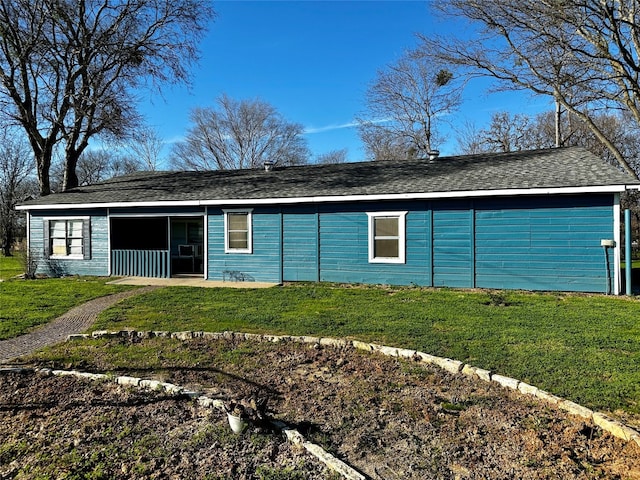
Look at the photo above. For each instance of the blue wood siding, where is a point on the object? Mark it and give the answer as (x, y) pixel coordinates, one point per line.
(532, 243)
(453, 243)
(344, 244)
(300, 261)
(97, 265)
(263, 265)
(544, 243)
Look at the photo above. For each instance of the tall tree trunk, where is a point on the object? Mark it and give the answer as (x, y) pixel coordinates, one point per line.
(43, 166)
(8, 239)
(42, 153)
(70, 177)
(615, 151)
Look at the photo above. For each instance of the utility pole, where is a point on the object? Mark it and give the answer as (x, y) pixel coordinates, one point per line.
(557, 118)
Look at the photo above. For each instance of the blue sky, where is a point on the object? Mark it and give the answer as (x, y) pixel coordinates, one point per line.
(313, 61)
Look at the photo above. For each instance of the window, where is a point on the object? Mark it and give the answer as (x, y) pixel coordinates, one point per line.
(237, 231)
(67, 238)
(387, 237)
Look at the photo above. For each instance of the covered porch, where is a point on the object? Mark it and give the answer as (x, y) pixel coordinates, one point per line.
(157, 246)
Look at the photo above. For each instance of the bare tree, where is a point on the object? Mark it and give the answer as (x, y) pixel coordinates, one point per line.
(582, 54)
(508, 132)
(16, 169)
(619, 127)
(381, 143)
(469, 139)
(69, 69)
(97, 165)
(146, 147)
(405, 104)
(239, 134)
(333, 156)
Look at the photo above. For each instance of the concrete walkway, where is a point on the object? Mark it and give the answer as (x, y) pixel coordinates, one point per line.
(188, 282)
(76, 320)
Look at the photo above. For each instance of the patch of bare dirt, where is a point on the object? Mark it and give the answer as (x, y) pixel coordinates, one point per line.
(388, 418)
(63, 427)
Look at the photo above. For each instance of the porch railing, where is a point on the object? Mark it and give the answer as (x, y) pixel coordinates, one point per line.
(141, 263)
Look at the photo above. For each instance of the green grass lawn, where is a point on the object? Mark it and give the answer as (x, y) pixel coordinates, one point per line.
(10, 267)
(582, 347)
(25, 304)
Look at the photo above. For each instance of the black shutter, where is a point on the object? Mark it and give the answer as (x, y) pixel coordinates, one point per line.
(86, 239)
(46, 240)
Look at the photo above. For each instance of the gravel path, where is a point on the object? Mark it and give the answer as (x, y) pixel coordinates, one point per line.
(76, 320)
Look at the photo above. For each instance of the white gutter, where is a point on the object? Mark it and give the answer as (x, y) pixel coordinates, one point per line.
(340, 198)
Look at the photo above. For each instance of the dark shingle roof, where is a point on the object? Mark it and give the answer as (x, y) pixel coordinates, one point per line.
(552, 168)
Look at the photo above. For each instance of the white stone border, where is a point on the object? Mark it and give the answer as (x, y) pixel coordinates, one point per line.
(293, 436)
(601, 420)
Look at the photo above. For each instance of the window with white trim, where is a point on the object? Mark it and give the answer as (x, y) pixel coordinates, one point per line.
(66, 238)
(387, 237)
(237, 231)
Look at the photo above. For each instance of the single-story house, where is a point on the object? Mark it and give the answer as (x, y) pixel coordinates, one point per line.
(535, 220)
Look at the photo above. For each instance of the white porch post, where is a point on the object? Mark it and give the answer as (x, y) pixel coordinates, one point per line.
(616, 251)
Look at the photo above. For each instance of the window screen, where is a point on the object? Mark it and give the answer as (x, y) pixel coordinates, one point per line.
(387, 237)
(238, 232)
(66, 238)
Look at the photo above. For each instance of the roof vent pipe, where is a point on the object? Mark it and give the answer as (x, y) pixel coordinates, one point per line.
(268, 165)
(433, 154)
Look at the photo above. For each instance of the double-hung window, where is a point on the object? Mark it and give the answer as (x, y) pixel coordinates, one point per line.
(237, 231)
(387, 237)
(67, 238)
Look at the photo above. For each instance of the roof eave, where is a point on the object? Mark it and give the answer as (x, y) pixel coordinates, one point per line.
(340, 198)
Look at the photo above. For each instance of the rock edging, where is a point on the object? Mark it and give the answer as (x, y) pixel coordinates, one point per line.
(606, 423)
(293, 436)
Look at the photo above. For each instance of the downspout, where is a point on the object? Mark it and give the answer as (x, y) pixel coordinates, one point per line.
(628, 262)
(617, 215)
(607, 272)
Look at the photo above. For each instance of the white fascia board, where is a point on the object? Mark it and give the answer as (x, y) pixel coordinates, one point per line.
(341, 198)
(420, 196)
(63, 206)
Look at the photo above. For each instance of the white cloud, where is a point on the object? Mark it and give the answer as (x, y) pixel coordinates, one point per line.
(328, 128)
(174, 139)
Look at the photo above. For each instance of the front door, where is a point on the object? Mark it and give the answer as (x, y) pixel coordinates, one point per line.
(187, 246)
